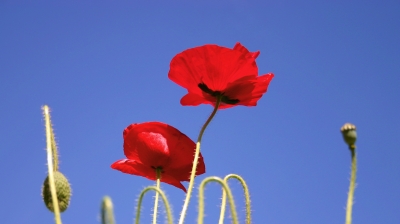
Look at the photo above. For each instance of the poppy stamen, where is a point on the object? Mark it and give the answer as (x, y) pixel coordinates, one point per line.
(224, 99)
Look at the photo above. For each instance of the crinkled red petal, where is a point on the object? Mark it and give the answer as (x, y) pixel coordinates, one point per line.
(192, 99)
(155, 144)
(166, 178)
(239, 47)
(135, 168)
(183, 173)
(261, 87)
(174, 144)
(212, 65)
(147, 143)
(233, 72)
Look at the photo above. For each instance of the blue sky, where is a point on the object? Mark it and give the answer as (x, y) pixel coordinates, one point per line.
(101, 66)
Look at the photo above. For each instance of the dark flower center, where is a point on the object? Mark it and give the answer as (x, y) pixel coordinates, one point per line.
(158, 168)
(224, 99)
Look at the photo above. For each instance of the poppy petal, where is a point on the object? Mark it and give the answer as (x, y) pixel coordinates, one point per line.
(192, 99)
(261, 86)
(152, 145)
(181, 148)
(133, 167)
(239, 47)
(210, 64)
(145, 143)
(172, 181)
(150, 141)
(209, 71)
(183, 173)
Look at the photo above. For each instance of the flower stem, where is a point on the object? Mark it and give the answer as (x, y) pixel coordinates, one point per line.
(225, 188)
(54, 150)
(246, 194)
(195, 161)
(164, 198)
(158, 174)
(350, 197)
(50, 159)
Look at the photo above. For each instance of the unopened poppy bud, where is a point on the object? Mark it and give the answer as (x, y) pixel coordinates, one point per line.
(63, 190)
(349, 134)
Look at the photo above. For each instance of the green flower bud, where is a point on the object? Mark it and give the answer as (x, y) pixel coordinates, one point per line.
(63, 190)
(107, 214)
(349, 134)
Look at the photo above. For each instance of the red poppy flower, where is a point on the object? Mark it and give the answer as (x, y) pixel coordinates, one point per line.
(210, 71)
(152, 145)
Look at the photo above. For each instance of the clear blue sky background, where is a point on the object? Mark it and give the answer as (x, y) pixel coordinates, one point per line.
(101, 66)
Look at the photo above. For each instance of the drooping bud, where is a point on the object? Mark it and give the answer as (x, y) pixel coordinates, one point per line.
(349, 134)
(63, 190)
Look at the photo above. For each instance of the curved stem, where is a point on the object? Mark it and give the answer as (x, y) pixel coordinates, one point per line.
(209, 118)
(246, 194)
(350, 197)
(107, 214)
(158, 174)
(195, 161)
(225, 188)
(50, 159)
(164, 198)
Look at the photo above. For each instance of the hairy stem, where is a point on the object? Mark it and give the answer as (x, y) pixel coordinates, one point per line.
(246, 194)
(350, 197)
(50, 160)
(195, 161)
(54, 150)
(158, 174)
(164, 198)
(226, 189)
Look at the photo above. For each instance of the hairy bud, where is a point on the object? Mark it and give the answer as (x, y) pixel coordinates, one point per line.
(63, 190)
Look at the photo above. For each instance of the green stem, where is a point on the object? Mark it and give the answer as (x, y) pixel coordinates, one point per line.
(50, 159)
(158, 174)
(164, 198)
(107, 214)
(54, 150)
(225, 189)
(246, 194)
(195, 161)
(350, 197)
